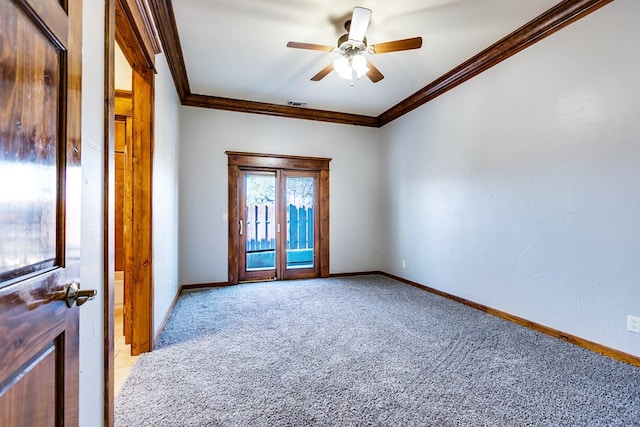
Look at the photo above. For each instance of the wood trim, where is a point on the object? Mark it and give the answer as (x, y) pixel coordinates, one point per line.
(358, 273)
(163, 14)
(276, 161)
(543, 26)
(324, 223)
(146, 22)
(128, 37)
(139, 251)
(264, 108)
(233, 242)
(134, 33)
(123, 105)
(125, 94)
(109, 216)
(580, 342)
(204, 286)
(162, 11)
(167, 315)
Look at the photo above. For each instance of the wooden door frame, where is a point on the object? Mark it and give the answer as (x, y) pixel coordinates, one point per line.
(237, 160)
(129, 23)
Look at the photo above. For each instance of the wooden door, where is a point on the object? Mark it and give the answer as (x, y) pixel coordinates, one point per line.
(40, 65)
(278, 224)
(307, 174)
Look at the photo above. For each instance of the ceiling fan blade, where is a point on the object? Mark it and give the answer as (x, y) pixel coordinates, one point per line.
(374, 74)
(394, 46)
(310, 46)
(323, 73)
(359, 23)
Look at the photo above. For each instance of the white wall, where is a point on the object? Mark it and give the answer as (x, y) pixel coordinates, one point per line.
(354, 185)
(91, 269)
(122, 70)
(520, 188)
(165, 193)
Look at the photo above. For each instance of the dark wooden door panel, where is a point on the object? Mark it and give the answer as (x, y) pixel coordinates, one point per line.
(39, 210)
(30, 79)
(30, 399)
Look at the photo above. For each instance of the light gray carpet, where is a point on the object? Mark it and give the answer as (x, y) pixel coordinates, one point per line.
(365, 351)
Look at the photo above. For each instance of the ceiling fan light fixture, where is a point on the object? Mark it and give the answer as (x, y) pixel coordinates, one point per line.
(342, 67)
(352, 64)
(359, 65)
(346, 67)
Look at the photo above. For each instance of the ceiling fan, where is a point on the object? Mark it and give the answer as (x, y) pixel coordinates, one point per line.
(352, 46)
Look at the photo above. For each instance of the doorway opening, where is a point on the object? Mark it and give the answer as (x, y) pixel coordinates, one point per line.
(129, 24)
(278, 217)
(123, 307)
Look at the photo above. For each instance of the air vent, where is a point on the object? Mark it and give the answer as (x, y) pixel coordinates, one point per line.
(296, 103)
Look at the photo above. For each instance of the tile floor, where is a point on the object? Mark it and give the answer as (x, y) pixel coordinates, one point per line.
(123, 362)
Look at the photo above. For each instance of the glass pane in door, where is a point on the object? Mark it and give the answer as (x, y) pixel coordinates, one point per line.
(260, 215)
(300, 225)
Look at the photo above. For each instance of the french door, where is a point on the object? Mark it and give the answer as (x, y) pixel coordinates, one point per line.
(277, 224)
(278, 217)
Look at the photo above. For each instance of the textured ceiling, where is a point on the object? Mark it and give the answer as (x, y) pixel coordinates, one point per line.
(237, 48)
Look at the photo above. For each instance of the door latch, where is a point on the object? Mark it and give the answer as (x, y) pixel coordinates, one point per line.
(78, 296)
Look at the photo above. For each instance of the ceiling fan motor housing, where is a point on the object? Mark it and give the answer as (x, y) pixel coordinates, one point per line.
(350, 48)
(345, 38)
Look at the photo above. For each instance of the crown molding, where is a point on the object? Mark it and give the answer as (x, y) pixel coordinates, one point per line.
(149, 25)
(543, 26)
(228, 104)
(162, 11)
(556, 18)
(135, 32)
